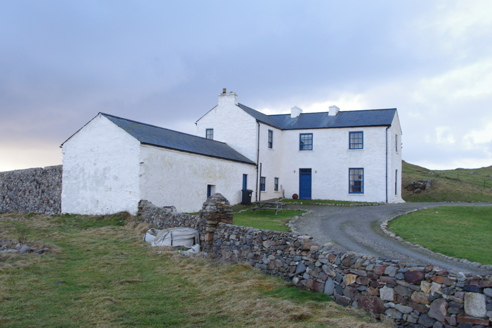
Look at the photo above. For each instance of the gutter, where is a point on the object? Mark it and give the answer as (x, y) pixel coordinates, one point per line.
(257, 160)
(387, 164)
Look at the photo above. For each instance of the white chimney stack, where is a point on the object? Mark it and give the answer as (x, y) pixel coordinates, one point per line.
(295, 111)
(333, 111)
(227, 98)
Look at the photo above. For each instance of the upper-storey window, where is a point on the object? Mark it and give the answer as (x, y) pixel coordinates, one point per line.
(270, 139)
(209, 134)
(306, 141)
(356, 140)
(396, 142)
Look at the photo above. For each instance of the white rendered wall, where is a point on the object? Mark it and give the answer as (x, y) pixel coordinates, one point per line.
(231, 125)
(271, 160)
(394, 161)
(330, 161)
(169, 177)
(100, 170)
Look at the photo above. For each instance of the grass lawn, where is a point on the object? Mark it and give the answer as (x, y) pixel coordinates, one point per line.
(100, 274)
(265, 219)
(458, 231)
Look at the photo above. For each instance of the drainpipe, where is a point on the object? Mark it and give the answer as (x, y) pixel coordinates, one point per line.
(257, 160)
(259, 195)
(387, 164)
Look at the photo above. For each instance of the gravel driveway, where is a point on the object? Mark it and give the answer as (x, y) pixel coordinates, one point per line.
(358, 229)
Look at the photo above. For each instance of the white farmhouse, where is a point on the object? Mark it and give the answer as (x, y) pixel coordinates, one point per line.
(112, 163)
(340, 155)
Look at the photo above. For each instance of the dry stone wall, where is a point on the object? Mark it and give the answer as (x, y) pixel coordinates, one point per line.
(411, 295)
(36, 190)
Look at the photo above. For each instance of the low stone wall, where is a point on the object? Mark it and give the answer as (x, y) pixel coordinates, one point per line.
(36, 190)
(411, 295)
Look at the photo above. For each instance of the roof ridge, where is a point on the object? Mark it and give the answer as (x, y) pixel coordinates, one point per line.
(160, 127)
(342, 111)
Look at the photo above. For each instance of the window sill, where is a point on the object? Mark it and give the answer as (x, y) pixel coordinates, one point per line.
(356, 194)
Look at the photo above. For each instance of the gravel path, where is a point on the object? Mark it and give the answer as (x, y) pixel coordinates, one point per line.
(358, 229)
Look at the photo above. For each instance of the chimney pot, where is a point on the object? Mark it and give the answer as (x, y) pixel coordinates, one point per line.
(224, 90)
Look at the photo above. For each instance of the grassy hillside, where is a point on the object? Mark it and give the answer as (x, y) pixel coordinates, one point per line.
(97, 272)
(465, 185)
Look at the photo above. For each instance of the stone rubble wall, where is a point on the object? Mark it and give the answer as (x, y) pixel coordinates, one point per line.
(36, 190)
(411, 295)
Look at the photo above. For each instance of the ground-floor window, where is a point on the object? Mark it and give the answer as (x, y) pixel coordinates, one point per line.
(262, 183)
(210, 190)
(356, 181)
(276, 184)
(245, 181)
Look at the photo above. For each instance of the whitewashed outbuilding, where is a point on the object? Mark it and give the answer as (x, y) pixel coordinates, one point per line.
(112, 163)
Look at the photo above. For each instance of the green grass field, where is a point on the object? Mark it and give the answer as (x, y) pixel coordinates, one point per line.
(99, 273)
(460, 185)
(265, 219)
(457, 231)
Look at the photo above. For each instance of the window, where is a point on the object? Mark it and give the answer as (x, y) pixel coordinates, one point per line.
(209, 134)
(306, 141)
(356, 181)
(210, 190)
(276, 184)
(396, 182)
(356, 140)
(396, 142)
(245, 181)
(270, 139)
(262, 184)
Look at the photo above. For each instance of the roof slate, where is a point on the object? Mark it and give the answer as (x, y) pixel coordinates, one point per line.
(356, 118)
(259, 116)
(157, 136)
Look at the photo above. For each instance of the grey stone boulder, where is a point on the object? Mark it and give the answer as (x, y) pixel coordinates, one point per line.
(25, 249)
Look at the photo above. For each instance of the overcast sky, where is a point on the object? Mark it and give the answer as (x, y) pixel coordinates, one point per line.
(165, 62)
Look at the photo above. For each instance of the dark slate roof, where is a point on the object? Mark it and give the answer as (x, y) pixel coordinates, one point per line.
(345, 119)
(260, 116)
(160, 137)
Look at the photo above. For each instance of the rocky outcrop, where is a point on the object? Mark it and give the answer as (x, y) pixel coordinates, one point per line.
(418, 186)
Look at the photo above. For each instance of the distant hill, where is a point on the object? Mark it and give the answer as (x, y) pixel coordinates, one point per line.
(465, 185)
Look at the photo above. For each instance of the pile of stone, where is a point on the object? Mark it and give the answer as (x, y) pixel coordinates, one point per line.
(12, 246)
(411, 295)
(418, 186)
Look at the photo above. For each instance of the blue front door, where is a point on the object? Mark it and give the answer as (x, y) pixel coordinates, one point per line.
(304, 183)
(245, 181)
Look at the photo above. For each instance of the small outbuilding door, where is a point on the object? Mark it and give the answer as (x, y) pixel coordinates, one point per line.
(304, 183)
